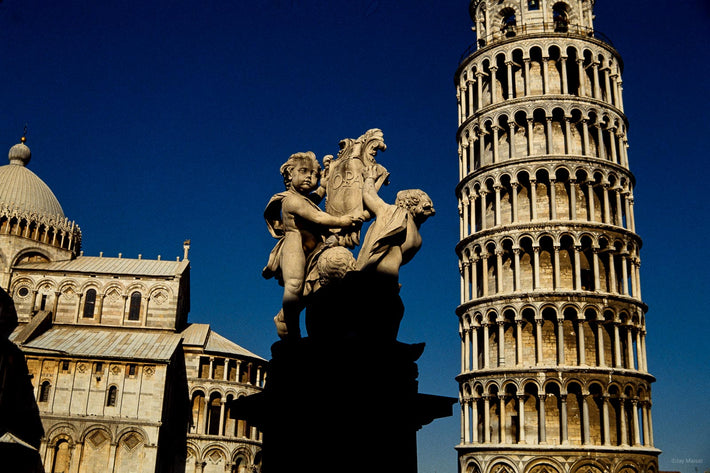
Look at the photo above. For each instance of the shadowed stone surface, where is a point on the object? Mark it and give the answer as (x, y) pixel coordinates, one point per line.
(349, 387)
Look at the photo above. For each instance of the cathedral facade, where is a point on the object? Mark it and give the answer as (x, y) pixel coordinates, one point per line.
(123, 382)
(553, 355)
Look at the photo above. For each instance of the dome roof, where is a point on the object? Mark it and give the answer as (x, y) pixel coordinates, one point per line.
(21, 189)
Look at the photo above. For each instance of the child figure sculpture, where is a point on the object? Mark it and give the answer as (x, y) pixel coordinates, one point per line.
(294, 217)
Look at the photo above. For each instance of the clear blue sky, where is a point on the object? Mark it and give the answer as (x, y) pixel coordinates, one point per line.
(159, 121)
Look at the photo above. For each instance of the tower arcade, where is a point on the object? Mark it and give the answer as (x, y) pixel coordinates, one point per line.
(553, 357)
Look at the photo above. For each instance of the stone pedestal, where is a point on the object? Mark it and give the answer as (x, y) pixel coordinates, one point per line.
(344, 398)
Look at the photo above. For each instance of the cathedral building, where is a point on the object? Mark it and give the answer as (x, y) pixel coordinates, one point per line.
(554, 375)
(123, 382)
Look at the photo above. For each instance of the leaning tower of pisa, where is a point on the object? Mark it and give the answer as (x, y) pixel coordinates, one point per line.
(553, 356)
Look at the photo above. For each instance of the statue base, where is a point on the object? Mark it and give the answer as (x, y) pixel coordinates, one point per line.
(344, 400)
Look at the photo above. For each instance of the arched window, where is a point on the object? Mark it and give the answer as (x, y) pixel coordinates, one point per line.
(559, 17)
(89, 304)
(508, 22)
(111, 398)
(62, 457)
(44, 391)
(533, 4)
(134, 311)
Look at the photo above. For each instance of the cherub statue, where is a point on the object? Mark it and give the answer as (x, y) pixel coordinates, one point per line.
(393, 238)
(294, 217)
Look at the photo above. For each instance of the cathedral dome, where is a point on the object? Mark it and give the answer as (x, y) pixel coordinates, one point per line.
(22, 190)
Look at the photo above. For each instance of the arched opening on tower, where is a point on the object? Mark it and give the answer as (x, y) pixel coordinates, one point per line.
(558, 138)
(566, 263)
(494, 414)
(531, 409)
(535, 78)
(590, 337)
(549, 337)
(543, 201)
(574, 413)
(552, 414)
(546, 264)
(526, 264)
(582, 195)
(596, 431)
(560, 17)
(506, 200)
(511, 431)
(527, 337)
(554, 71)
(509, 343)
(615, 433)
(571, 336)
(508, 22)
(507, 269)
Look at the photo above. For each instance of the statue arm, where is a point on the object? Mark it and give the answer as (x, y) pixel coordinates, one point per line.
(308, 212)
(372, 201)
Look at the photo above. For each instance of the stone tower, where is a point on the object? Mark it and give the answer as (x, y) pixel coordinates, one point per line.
(553, 358)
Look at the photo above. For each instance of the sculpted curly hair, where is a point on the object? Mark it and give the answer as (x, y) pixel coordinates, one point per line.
(293, 160)
(410, 198)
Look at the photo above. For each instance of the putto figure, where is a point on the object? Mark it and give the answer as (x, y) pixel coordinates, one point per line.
(393, 238)
(307, 234)
(301, 226)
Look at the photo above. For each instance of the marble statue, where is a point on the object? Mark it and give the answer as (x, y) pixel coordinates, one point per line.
(312, 251)
(393, 238)
(300, 225)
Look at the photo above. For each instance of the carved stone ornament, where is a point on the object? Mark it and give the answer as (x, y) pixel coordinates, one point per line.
(345, 180)
(81, 368)
(149, 370)
(113, 296)
(131, 441)
(97, 438)
(69, 293)
(160, 298)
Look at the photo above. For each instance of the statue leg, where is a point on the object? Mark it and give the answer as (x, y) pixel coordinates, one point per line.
(293, 267)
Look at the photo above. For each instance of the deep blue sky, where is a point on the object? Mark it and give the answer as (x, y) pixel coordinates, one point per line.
(159, 121)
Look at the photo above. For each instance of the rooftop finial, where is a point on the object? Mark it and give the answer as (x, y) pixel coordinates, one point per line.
(186, 248)
(20, 154)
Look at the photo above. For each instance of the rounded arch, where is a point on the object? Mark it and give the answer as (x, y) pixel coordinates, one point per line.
(471, 466)
(29, 254)
(136, 286)
(91, 284)
(114, 285)
(45, 285)
(547, 465)
(502, 465)
(629, 466)
(68, 284)
(527, 383)
(215, 454)
(61, 431)
(492, 386)
(243, 452)
(135, 429)
(586, 465)
(93, 428)
(159, 289)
